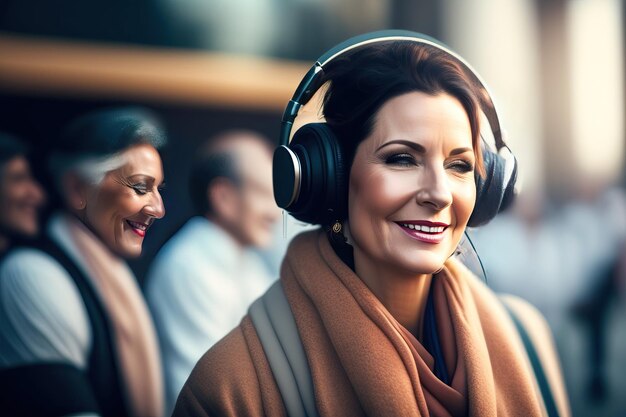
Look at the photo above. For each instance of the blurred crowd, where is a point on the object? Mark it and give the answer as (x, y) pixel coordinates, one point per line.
(569, 260)
(75, 325)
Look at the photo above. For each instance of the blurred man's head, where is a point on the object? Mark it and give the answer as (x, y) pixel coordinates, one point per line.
(20, 195)
(231, 184)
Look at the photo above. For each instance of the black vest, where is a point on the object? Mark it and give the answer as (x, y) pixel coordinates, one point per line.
(52, 389)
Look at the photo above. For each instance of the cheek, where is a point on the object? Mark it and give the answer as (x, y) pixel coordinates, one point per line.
(377, 193)
(259, 206)
(13, 195)
(464, 201)
(110, 207)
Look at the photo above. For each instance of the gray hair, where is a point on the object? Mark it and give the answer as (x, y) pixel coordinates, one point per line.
(92, 145)
(91, 169)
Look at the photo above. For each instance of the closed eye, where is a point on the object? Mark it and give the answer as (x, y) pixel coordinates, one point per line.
(140, 189)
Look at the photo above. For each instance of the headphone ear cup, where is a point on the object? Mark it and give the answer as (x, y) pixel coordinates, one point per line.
(495, 192)
(322, 196)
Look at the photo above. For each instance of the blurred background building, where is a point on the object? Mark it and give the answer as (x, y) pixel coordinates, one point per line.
(555, 68)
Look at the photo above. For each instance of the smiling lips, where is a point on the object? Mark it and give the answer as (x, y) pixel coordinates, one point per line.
(424, 231)
(138, 228)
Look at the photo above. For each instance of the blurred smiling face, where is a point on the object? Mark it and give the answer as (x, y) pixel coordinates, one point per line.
(122, 207)
(412, 186)
(20, 198)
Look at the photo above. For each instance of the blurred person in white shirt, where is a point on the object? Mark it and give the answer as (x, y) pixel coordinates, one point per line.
(205, 277)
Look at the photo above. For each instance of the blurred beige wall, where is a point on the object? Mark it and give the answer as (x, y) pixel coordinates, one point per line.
(596, 83)
(555, 69)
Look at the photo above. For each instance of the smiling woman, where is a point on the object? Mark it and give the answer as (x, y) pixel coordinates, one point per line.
(124, 204)
(74, 325)
(386, 321)
(112, 184)
(20, 195)
(411, 194)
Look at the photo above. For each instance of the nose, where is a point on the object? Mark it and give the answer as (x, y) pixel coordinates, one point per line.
(155, 208)
(434, 189)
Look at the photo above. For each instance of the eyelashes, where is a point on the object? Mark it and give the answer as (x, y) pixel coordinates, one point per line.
(143, 189)
(140, 189)
(406, 160)
(461, 166)
(400, 159)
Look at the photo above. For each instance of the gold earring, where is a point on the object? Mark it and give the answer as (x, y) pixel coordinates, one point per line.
(337, 227)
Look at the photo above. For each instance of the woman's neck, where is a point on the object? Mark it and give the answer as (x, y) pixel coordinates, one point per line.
(403, 295)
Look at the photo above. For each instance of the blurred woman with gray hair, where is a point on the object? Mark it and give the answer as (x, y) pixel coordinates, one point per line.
(75, 333)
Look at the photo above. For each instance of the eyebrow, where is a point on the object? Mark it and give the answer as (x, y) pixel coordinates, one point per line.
(459, 151)
(142, 176)
(145, 177)
(419, 148)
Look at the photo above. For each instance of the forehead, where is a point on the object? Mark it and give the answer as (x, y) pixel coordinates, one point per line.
(14, 165)
(253, 158)
(141, 159)
(423, 117)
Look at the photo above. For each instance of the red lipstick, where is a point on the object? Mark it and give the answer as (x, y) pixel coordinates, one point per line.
(423, 230)
(138, 228)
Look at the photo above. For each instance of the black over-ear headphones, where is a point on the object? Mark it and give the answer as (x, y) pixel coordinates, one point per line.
(309, 174)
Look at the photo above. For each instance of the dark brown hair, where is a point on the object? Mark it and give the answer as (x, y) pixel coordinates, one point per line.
(362, 81)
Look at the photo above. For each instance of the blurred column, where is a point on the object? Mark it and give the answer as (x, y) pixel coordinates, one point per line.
(624, 93)
(594, 33)
(555, 95)
(596, 83)
(582, 89)
(500, 40)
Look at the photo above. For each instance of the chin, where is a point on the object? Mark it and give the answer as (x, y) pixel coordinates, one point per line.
(128, 251)
(263, 243)
(422, 263)
(31, 230)
(133, 253)
(27, 232)
(259, 240)
(26, 228)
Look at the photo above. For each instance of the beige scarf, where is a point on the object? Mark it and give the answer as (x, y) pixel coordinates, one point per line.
(133, 330)
(362, 359)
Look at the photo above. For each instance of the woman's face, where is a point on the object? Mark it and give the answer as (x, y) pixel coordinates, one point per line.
(123, 206)
(20, 198)
(412, 188)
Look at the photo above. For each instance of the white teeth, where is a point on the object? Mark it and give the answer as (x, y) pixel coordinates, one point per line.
(137, 225)
(426, 229)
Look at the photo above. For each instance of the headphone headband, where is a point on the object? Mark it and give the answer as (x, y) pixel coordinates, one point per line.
(311, 176)
(313, 79)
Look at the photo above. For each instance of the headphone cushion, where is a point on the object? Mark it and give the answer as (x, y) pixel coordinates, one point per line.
(323, 194)
(490, 190)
